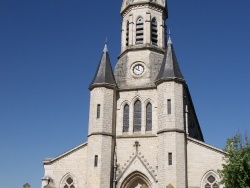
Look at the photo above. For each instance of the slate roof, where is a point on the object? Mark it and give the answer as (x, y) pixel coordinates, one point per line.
(170, 69)
(104, 76)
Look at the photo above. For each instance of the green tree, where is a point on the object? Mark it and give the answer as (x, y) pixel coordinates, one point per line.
(236, 169)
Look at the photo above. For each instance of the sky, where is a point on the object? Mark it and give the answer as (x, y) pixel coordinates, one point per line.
(49, 52)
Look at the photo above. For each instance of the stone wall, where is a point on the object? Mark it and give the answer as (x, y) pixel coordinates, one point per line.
(70, 164)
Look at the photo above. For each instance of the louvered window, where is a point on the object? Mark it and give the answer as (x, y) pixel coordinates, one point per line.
(139, 31)
(137, 116)
(69, 183)
(149, 117)
(126, 118)
(154, 32)
(127, 34)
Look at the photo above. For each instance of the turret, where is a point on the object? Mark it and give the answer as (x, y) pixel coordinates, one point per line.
(101, 125)
(170, 70)
(171, 125)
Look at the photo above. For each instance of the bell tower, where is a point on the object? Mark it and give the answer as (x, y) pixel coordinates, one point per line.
(142, 43)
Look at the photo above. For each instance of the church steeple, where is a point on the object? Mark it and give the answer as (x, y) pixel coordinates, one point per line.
(170, 69)
(104, 76)
(143, 43)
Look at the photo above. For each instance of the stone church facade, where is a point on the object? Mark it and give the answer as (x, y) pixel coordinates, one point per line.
(143, 129)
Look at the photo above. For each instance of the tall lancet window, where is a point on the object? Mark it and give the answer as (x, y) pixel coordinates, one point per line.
(139, 31)
(154, 32)
(127, 33)
(149, 117)
(126, 118)
(137, 116)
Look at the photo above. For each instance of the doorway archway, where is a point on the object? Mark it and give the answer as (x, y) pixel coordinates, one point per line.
(136, 180)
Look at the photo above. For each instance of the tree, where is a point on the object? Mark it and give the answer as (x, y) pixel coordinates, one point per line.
(236, 169)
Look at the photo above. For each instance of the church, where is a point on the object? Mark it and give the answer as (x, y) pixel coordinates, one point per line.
(143, 131)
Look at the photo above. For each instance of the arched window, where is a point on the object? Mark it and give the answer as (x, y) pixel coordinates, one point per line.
(210, 180)
(127, 33)
(149, 117)
(137, 116)
(126, 118)
(139, 31)
(69, 183)
(154, 32)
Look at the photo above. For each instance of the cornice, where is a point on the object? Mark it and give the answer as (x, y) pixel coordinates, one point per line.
(136, 136)
(137, 88)
(171, 130)
(151, 5)
(142, 47)
(101, 133)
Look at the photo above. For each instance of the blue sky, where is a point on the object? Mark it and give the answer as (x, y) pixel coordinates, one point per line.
(49, 51)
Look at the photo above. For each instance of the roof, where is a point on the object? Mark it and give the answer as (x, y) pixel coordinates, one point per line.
(51, 160)
(104, 76)
(198, 142)
(170, 69)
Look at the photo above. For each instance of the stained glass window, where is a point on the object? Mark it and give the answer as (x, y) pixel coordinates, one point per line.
(211, 179)
(211, 182)
(137, 116)
(69, 180)
(126, 118)
(149, 117)
(69, 183)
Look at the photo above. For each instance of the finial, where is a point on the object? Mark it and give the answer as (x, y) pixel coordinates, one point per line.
(105, 47)
(169, 37)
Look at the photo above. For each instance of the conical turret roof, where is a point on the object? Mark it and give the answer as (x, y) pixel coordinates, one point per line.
(104, 76)
(170, 69)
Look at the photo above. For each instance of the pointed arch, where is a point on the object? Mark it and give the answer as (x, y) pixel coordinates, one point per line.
(154, 32)
(210, 180)
(137, 116)
(125, 118)
(68, 181)
(136, 178)
(139, 31)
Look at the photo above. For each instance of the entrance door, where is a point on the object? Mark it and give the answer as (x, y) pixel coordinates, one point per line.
(136, 180)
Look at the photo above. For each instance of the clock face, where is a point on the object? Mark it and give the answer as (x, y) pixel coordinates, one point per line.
(138, 69)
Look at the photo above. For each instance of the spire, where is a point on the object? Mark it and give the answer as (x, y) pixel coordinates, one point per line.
(105, 46)
(169, 37)
(104, 76)
(170, 69)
